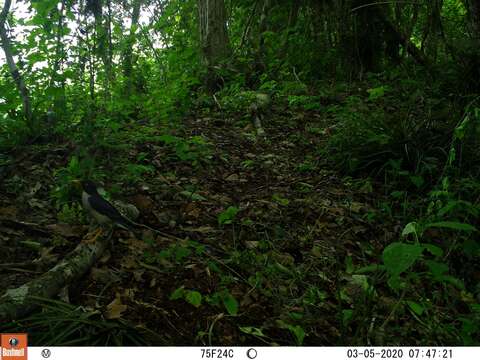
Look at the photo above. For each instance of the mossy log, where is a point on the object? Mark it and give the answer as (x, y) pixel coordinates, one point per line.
(17, 303)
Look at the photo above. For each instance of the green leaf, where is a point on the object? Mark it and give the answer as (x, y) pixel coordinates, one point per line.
(194, 298)
(375, 93)
(369, 269)
(437, 268)
(361, 281)
(349, 268)
(347, 315)
(192, 195)
(398, 257)
(410, 228)
(394, 282)
(168, 139)
(178, 293)
(298, 332)
(417, 180)
(434, 250)
(182, 252)
(280, 200)
(231, 304)
(416, 307)
(452, 225)
(454, 281)
(252, 331)
(227, 216)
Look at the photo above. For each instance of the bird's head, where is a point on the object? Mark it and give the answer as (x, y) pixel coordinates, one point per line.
(88, 186)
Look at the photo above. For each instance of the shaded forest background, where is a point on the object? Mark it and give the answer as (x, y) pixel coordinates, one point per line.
(312, 165)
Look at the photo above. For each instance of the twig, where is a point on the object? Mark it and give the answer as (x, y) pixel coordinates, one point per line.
(226, 266)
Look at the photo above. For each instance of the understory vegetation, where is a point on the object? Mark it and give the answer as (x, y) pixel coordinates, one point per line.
(310, 170)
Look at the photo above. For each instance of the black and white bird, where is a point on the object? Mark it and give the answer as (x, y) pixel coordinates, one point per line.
(99, 209)
(105, 214)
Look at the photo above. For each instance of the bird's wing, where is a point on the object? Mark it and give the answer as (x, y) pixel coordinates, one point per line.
(103, 207)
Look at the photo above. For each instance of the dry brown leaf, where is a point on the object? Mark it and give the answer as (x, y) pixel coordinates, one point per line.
(129, 262)
(201, 229)
(115, 309)
(233, 177)
(193, 210)
(143, 203)
(251, 244)
(67, 230)
(357, 207)
(103, 275)
(9, 211)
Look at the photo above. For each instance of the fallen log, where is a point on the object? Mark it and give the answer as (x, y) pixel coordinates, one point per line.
(17, 303)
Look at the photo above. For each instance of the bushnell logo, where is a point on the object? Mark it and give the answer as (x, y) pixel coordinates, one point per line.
(14, 347)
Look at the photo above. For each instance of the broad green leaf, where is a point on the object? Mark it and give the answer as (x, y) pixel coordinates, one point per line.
(228, 215)
(298, 332)
(360, 280)
(398, 257)
(394, 282)
(280, 200)
(376, 93)
(178, 293)
(231, 304)
(416, 307)
(410, 228)
(437, 268)
(194, 298)
(434, 250)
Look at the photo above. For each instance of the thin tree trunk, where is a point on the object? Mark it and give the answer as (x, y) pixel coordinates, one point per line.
(471, 57)
(17, 78)
(57, 64)
(292, 20)
(260, 54)
(474, 18)
(248, 24)
(214, 40)
(128, 54)
(411, 48)
(110, 43)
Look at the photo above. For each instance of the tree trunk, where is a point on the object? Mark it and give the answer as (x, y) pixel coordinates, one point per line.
(57, 81)
(259, 65)
(472, 55)
(474, 18)
(128, 53)
(401, 38)
(214, 40)
(17, 78)
(292, 21)
(102, 38)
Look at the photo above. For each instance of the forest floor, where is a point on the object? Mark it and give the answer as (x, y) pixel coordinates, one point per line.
(277, 268)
